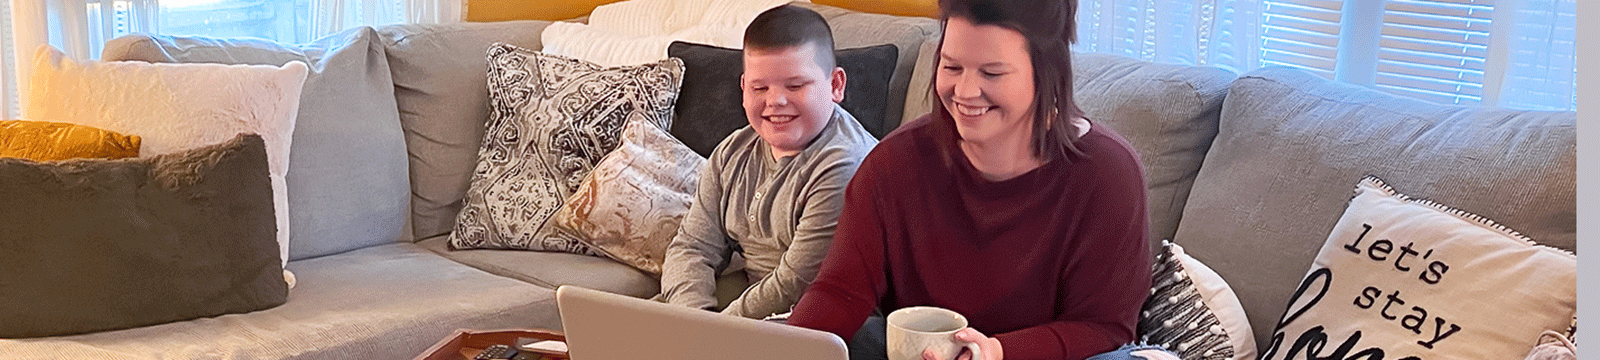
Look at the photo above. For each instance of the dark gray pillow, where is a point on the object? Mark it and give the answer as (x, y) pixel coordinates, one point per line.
(710, 105)
(92, 245)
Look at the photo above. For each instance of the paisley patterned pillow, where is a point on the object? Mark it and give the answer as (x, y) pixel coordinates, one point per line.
(551, 118)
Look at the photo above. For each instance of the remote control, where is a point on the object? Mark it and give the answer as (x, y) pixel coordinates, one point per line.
(496, 352)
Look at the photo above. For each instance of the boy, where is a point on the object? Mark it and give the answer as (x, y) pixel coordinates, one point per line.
(772, 191)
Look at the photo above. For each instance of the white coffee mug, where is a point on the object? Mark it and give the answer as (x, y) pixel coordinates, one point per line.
(914, 329)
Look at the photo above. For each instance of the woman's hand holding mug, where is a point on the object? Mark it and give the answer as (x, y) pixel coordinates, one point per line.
(925, 332)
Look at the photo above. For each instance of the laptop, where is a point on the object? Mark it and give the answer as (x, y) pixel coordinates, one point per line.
(606, 326)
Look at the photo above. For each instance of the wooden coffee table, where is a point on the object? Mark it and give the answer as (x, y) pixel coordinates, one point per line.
(466, 344)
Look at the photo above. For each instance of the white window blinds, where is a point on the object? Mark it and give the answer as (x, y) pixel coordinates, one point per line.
(1434, 49)
(1462, 52)
(1301, 33)
(1511, 53)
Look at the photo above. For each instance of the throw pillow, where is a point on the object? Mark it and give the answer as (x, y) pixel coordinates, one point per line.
(93, 244)
(347, 177)
(174, 107)
(1406, 278)
(47, 141)
(1553, 346)
(629, 207)
(551, 119)
(639, 31)
(439, 91)
(1191, 311)
(711, 106)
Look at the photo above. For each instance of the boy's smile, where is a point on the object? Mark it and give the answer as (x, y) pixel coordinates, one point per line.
(788, 96)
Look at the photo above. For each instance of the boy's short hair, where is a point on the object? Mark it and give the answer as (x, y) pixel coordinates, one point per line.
(790, 26)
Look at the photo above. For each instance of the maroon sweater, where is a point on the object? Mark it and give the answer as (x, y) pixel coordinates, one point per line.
(1054, 263)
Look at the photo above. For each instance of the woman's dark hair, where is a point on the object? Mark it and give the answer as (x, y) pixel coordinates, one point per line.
(1049, 27)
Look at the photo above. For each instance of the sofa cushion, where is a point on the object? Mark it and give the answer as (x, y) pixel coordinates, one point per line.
(383, 302)
(853, 29)
(347, 177)
(711, 105)
(553, 269)
(176, 107)
(1415, 279)
(1290, 143)
(48, 141)
(1169, 114)
(441, 91)
(94, 244)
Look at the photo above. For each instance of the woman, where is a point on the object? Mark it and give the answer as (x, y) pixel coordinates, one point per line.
(1005, 205)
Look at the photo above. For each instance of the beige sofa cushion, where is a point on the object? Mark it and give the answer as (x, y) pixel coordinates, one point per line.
(1169, 114)
(1290, 144)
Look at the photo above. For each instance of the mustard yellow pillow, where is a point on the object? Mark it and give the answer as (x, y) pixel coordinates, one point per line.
(48, 141)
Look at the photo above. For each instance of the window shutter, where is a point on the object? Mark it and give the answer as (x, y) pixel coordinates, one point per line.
(1301, 33)
(1435, 49)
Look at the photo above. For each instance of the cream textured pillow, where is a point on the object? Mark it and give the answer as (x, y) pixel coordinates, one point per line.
(1192, 312)
(175, 107)
(630, 205)
(551, 119)
(1401, 277)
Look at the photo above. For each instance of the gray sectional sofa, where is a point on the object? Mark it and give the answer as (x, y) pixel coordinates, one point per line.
(1247, 172)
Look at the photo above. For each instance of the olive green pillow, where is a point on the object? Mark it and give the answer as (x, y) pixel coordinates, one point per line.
(93, 244)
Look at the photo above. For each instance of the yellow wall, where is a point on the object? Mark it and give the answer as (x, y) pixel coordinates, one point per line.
(499, 10)
(925, 8)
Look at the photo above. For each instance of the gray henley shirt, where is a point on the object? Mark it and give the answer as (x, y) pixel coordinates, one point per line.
(780, 214)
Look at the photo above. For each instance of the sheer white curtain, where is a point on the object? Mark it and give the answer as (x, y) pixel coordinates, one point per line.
(1541, 48)
(81, 27)
(1223, 33)
(330, 16)
(1510, 53)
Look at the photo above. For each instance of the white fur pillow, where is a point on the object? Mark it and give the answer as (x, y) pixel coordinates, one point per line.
(175, 107)
(639, 31)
